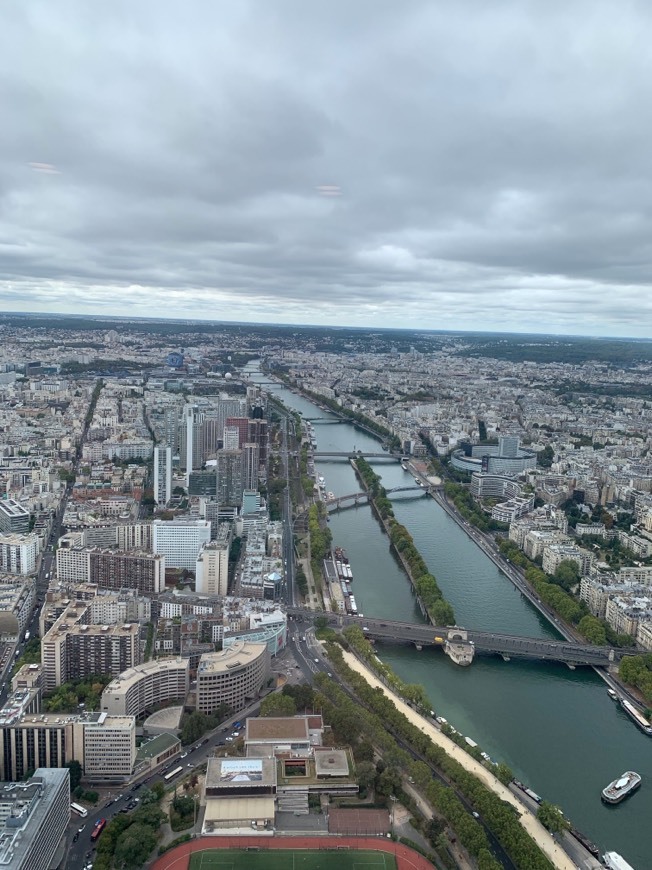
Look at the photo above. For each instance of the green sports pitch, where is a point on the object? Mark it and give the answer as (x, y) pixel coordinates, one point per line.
(286, 859)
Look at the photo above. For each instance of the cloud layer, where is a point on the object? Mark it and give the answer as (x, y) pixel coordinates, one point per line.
(434, 165)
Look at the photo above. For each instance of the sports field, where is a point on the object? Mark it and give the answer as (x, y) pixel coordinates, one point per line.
(266, 859)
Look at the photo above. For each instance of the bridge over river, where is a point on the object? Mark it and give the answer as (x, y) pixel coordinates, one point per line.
(352, 454)
(463, 644)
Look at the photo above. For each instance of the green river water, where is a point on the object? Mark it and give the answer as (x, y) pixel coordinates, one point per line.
(557, 729)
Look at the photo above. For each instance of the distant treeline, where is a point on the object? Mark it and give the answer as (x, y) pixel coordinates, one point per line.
(550, 349)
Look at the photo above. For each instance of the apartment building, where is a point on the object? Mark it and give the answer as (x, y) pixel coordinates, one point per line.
(212, 566)
(14, 518)
(135, 536)
(18, 553)
(146, 686)
(162, 474)
(16, 605)
(73, 565)
(74, 648)
(233, 676)
(34, 816)
(104, 745)
(144, 572)
(180, 541)
(110, 747)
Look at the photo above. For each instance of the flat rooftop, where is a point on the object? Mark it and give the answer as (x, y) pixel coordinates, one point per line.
(331, 762)
(156, 745)
(358, 822)
(12, 508)
(238, 655)
(225, 774)
(275, 729)
(156, 666)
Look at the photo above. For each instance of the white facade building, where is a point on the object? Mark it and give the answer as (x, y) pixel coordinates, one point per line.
(18, 553)
(110, 746)
(212, 570)
(73, 565)
(180, 542)
(162, 474)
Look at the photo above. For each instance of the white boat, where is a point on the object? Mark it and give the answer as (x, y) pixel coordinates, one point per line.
(614, 861)
(620, 788)
(613, 695)
(636, 716)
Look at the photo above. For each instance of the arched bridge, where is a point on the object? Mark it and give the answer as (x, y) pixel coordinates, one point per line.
(362, 497)
(479, 642)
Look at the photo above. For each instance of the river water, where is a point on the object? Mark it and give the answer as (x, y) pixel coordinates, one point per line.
(557, 729)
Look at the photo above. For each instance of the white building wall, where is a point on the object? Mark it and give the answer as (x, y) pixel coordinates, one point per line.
(180, 543)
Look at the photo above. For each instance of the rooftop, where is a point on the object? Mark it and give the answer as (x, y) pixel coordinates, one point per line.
(226, 774)
(277, 728)
(236, 656)
(30, 802)
(331, 762)
(156, 666)
(156, 745)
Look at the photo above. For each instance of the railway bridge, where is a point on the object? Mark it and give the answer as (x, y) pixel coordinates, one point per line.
(352, 454)
(462, 644)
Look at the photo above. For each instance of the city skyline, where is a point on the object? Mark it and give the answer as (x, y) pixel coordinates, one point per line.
(417, 167)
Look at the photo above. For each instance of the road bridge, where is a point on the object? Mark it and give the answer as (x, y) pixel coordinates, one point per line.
(352, 454)
(482, 642)
(327, 421)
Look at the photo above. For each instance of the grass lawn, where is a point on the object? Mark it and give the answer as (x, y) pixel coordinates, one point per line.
(282, 859)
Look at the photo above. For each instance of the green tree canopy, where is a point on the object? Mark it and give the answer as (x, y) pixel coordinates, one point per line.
(551, 817)
(278, 704)
(567, 574)
(133, 847)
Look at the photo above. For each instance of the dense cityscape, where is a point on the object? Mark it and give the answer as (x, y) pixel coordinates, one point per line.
(325, 435)
(173, 586)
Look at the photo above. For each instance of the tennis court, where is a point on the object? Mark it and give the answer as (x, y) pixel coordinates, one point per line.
(266, 859)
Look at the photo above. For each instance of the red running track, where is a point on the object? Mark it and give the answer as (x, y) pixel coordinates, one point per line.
(179, 858)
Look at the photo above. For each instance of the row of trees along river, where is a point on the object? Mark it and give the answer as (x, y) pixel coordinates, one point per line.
(557, 729)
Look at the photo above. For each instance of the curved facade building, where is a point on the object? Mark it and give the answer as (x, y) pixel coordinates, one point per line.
(506, 457)
(146, 686)
(269, 628)
(485, 485)
(232, 676)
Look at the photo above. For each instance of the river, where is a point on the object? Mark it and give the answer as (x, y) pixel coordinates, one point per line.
(557, 729)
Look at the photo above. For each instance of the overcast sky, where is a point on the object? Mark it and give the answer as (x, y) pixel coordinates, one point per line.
(463, 164)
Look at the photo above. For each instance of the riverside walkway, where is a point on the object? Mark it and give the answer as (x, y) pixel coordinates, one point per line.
(532, 825)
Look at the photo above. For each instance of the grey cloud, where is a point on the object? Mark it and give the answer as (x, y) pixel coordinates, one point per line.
(493, 161)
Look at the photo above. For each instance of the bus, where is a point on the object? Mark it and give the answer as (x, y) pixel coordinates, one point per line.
(79, 810)
(172, 774)
(97, 830)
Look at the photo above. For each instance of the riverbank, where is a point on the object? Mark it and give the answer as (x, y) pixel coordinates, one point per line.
(549, 724)
(430, 598)
(486, 544)
(530, 823)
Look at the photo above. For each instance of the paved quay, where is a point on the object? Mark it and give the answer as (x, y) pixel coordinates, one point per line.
(535, 829)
